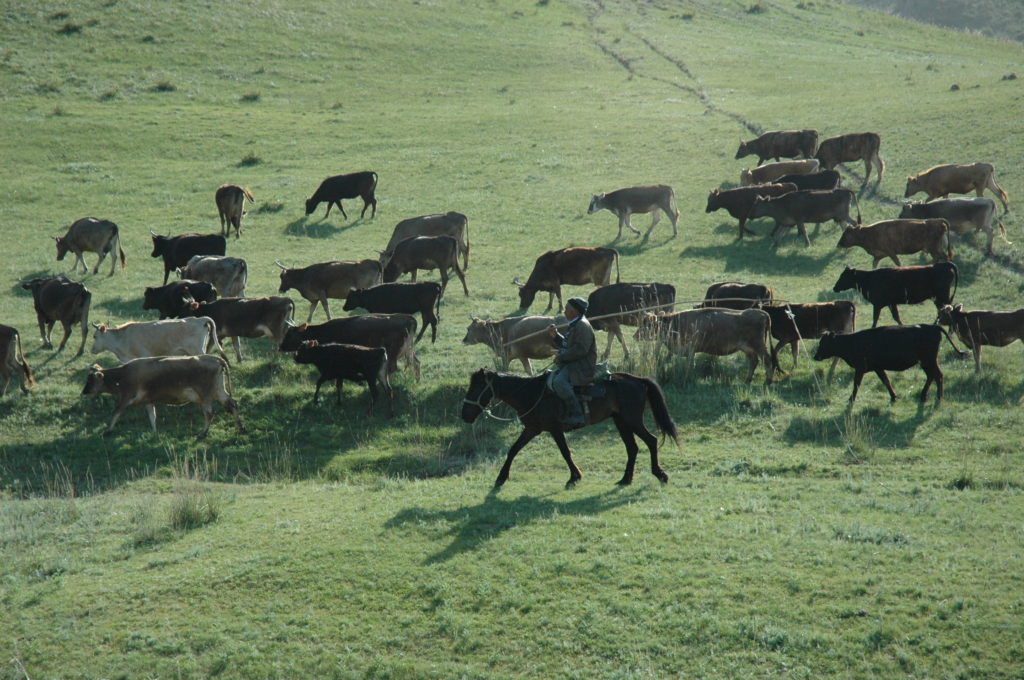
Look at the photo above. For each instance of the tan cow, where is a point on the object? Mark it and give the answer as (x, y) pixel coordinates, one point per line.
(230, 200)
(93, 236)
(769, 172)
(170, 337)
(996, 329)
(12, 361)
(852, 147)
(146, 382)
(503, 337)
(942, 180)
(451, 223)
(623, 203)
(227, 274)
(715, 331)
(891, 238)
(576, 266)
(323, 280)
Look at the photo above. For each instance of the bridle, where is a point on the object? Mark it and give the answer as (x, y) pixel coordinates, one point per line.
(488, 385)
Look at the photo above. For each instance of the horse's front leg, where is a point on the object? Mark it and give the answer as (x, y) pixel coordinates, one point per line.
(524, 439)
(574, 472)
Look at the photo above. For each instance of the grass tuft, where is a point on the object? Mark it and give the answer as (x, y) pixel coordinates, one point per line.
(249, 160)
(757, 8)
(164, 86)
(249, 97)
(70, 28)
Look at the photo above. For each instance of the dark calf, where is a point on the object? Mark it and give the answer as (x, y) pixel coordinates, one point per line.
(401, 298)
(333, 189)
(338, 362)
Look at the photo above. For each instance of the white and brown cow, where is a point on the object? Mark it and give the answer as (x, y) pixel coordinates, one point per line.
(765, 174)
(170, 337)
(91, 235)
(324, 280)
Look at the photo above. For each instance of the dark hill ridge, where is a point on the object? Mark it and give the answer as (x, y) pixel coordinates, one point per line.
(993, 18)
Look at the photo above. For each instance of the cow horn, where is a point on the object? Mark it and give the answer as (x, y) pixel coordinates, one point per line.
(290, 323)
(152, 232)
(517, 282)
(278, 263)
(95, 325)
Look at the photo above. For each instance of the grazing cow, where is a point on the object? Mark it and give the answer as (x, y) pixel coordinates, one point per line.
(227, 274)
(230, 200)
(890, 348)
(199, 380)
(94, 236)
(942, 180)
(424, 252)
(852, 147)
(574, 266)
(265, 317)
(60, 299)
(823, 180)
(168, 300)
(178, 250)
(809, 320)
(323, 280)
(617, 298)
(170, 337)
(963, 215)
(800, 207)
(714, 331)
(624, 202)
(451, 223)
(735, 295)
(333, 189)
(12, 361)
(737, 202)
(340, 361)
(401, 298)
(393, 332)
(767, 174)
(892, 238)
(892, 286)
(996, 329)
(508, 338)
(780, 144)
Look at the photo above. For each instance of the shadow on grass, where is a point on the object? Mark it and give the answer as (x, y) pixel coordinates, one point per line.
(474, 527)
(870, 427)
(130, 308)
(632, 244)
(760, 256)
(304, 226)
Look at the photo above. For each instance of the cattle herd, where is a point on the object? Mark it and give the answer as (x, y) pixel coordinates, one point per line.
(172, 360)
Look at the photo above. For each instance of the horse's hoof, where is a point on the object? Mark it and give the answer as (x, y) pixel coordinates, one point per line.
(572, 482)
(625, 481)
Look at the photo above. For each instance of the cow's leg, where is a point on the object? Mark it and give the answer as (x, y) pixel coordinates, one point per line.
(858, 375)
(67, 333)
(563, 446)
(977, 357)
(654, 221)
(207, 409)
(626, 433)
(43, 333)
(151, 412)
(85, 334)
(876, 311)
(527, 365)
(769, 367)
(803, 232)
(330, 204)
(616, 330)
(832, 369)
(524, 439)
(312, 308)
(628, 217)
(316, 393)
(752, 363)
(323, 301)
(113, 261)
(337, 393)
(122, 406)
(896, 314)
(888, 385)
(462, 278)
(551, 301)
(558, 294)
(6, 371)
(371, 385)
(238, 348)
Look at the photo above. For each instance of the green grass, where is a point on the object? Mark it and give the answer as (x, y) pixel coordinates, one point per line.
(796, 537)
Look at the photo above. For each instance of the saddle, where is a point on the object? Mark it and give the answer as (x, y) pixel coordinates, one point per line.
(591, 391)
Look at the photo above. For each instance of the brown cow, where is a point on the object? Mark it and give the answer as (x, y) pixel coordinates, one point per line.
(94, 236)
(766, 174)
(714, 331)
(891, 238)
(424, 252)
(393, 332)
(852, 147)
(618, 303)
(503, 337)
(963, 214)
(736, 295)
(12, 360)
(800, 207)
(942, 180)
(575, 266)
(146, 382)
(323, 280)
(809, 320)
(265, 317)
(60, 299)
(230, 200)
(737, 202)
(451, 223)
(227, 274)
(997, 329)
(780, 144)
(649, 199)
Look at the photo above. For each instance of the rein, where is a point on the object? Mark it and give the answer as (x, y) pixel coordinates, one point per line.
(486, 410)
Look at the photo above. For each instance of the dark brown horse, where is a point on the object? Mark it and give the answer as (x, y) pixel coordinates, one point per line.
(539, 411)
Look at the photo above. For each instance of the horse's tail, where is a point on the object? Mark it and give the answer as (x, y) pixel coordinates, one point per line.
(659, 409)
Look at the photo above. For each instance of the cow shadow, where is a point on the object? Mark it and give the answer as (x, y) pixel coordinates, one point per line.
(317, 228)
(17, 291)
(868, 427)
(472, 528)
(637, 244)
(986, 387)
(762, 257)
(120, 307)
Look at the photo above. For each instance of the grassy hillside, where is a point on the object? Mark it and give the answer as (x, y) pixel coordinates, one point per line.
(795, 537)
(993, 18)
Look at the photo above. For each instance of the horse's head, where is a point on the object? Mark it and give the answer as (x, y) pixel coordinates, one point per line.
(479, 394)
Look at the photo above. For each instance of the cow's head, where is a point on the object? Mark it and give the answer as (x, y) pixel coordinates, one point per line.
(596, 203)
(948, 314)
(354, 299)
(62, 246)
(650, 326)
(95, 382)
(913, 186)
(288, 280)
(34, 285)
(849, 238)
(746, 178)
(527, 293)
(311, 206)
(759, 207)
(159, 243)
(713, 203)
(743, 151)
(305, 353)
(293, 337)
(826, 346)
(847, 280)
(475, 331)
(99, 341)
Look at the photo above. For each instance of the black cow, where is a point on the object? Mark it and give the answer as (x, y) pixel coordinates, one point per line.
(809, 320)
(736, 295)
(393, 332)
(58, 298)
(891, 286)
(890, 348)
(401, 298)
(825, 180)
(333, 189)
(178, 250)
(170, 300)
(337, 362)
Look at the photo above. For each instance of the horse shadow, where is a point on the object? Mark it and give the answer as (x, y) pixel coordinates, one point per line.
(474, 527)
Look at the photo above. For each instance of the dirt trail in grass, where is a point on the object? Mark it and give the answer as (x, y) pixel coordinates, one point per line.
(691, 84)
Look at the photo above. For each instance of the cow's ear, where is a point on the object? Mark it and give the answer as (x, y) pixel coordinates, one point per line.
(194, 305)
(303, 327)
(96, 368)
(959, 307)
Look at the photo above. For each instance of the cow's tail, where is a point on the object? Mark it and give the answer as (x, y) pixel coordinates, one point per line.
(20, 357)
(949, 241)
(956, 282)
(241, 279)
(961, 353)
(248, 194)
(465, 257)
(770, 368)
(857, 201)
(659, 409)
(120, 251)
(211, 329)
(1002, 233)
(618, 279)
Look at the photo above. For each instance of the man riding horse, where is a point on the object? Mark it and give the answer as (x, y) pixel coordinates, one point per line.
(576, 361)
